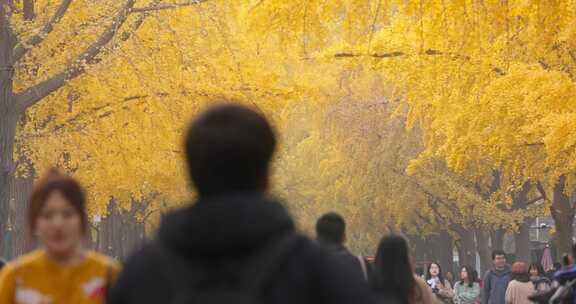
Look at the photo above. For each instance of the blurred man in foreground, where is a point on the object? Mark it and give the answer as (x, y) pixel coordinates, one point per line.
(235, 244)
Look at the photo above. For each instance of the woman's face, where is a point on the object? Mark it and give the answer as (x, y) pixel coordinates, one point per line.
(59, 226)
(464, 274)
(534, 272)
(434, 270)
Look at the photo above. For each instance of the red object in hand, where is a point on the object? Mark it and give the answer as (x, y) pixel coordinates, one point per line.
(99, 293)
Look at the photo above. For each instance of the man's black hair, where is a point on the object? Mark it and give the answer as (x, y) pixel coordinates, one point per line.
(498, 252)
(331, 228)
(229, 149)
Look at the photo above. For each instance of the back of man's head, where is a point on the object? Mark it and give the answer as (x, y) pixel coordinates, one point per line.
(229, 149)
(331, 228)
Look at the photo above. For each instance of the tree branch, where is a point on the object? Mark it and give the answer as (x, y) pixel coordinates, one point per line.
(373, 26)
(23, 48)
(255, 6)
(448, 206)
(533, 201)
(572, 55)
(543, 63)
(541, 190)
(28, 10)
(11, 5)
(428, 52)
(147, 215)
(76, 122)
(7, 41)
(423, 218)
(496, 180)
(34, 94)
(94, 227)
(162, 7)
(434, 207)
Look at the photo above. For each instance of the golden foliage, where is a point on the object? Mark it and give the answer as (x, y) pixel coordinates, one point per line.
(394, 113)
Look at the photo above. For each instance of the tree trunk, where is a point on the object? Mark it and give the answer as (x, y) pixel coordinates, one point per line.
(420, 248)
(8, 121)
(563, 215)
(522, 236)
(483, 249)
(445, 254)
(23, 240)
(497, 237)
(467, 248)
(522, 242)
(107, 226)
(29, 10)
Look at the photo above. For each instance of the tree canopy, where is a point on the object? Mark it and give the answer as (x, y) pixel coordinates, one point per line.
(417, 116)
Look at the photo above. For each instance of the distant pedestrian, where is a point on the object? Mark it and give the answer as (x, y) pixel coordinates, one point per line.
(394, 277)
(538, 277)
(438, 284)
(467, 290)
(496, 280)
(235, 244)
(62, 271)
(331, 234)
(520, 287)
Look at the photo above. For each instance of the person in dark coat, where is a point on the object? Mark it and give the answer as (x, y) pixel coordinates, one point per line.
(211, 245)
(331, 234)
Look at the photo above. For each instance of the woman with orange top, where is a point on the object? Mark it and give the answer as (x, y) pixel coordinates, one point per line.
(62, 271)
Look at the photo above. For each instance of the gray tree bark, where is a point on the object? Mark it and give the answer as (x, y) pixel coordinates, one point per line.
(522, 236)
(8, 118)
(562, 211)
(484, 250)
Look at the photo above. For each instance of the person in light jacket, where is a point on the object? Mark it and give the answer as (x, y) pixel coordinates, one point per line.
(467, 290)
(520, 288)
(438, 284)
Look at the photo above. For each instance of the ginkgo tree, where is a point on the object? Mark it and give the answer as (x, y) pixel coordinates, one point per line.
(352, 156)
(43, 46)
(491, 84)
(118, 128)
(488, 82)
(484, 87)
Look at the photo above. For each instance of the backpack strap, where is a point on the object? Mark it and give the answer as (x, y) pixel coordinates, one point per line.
(363, 266)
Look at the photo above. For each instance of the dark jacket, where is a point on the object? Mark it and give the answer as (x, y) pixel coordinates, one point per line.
(541, 283)
(360, 266)
(231, 228)
(495, 285)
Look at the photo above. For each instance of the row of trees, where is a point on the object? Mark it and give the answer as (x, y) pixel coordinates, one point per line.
(486, 89)
(446, 121)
